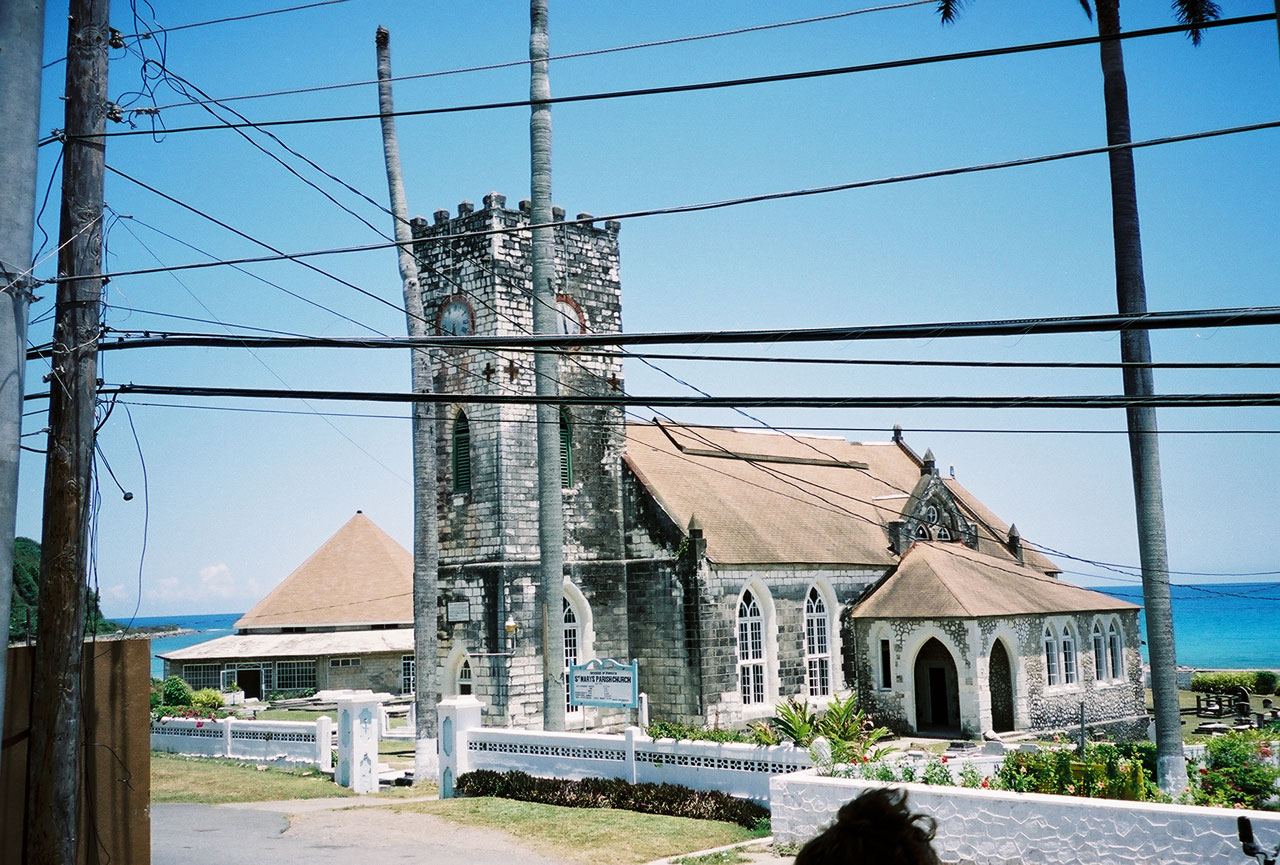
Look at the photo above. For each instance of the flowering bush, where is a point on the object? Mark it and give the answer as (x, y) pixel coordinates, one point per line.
(163, 713)
(1237, 773)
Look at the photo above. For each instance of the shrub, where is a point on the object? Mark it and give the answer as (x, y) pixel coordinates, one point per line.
(207, 698)
(1235, 773)
(1221, 682)
(176, 691)
(1265, 682)
(676, 730)
(667, 799)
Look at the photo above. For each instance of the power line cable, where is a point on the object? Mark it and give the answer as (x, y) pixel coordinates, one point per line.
(1093, 401)
(1166, 320)
(740, 201)
(730, 358)
(150, 32)
(281, 256)
(829, 429)
(595, 52)
(727, 83)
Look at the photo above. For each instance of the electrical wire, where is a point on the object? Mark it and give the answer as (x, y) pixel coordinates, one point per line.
(595, 52)
(1173, 319)
(828, 429)
(723, 83)
(1090, 401)
(733, 202)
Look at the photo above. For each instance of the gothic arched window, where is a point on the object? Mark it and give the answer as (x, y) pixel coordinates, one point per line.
(817, 647)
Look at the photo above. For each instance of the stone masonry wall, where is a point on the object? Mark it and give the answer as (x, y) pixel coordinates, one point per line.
(489, 547)
(1115, 708)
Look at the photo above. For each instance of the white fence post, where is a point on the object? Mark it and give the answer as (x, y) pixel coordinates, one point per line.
(226, 735)
(629, 735)
(324, 743)
(456, 716)
(358, 745)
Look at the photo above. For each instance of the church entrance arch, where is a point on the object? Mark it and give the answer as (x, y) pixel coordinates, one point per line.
(1000, 681)
(937, 689)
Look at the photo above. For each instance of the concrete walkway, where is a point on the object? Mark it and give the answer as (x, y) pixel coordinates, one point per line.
(332, 831)
(322, 832)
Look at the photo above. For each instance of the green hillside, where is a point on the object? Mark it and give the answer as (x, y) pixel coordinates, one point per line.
(26, 594)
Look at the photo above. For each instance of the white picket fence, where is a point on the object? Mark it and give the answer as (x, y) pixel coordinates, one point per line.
(293, 742)
(737, 769)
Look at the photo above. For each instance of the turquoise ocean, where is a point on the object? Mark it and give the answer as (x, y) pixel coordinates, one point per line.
(1220, 626)
(1230, 626)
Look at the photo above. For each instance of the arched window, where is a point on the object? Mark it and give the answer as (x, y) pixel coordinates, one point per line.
(1050, 657)
(944, 534)
(464, 677)
(750, 650)
(572, 643)
(817, 649)
(1100, 654)
(922, 532)
(566, 451)
(1116, 645)
(1068, 656)
(461, 454)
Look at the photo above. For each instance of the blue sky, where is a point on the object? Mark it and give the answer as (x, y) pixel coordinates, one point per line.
(235, 500)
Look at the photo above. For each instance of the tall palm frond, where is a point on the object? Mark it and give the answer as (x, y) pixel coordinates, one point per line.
(1196, 14)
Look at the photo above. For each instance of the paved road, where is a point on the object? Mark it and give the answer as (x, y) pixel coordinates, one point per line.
(321, 832)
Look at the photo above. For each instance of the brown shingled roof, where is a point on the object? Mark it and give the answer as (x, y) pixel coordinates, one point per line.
(765, 497)
(937, 580)
(360, 576)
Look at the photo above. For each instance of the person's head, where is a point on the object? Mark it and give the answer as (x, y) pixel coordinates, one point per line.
(874, 828)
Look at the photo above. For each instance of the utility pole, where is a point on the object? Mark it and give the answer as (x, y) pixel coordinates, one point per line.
(426, 535)
(546, 368)
(21, 45)
(53, 767)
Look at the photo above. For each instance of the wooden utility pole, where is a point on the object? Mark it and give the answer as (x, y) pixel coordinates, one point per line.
(546, 367)
(426, 535)
(21, 48)
(53, 767)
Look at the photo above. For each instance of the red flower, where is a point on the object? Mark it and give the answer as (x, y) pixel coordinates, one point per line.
(944, 758)
(985, 783)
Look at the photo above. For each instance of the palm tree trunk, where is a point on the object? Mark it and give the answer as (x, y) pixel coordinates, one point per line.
(426, 537)
(1135, 347)
(550, 613)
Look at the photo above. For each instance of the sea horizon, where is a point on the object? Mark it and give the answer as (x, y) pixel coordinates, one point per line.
(1218, 626)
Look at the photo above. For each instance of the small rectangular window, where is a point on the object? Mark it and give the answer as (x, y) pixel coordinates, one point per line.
(886, 666)
(344, 662)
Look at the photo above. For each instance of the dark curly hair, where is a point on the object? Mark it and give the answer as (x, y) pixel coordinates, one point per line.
(875, 828)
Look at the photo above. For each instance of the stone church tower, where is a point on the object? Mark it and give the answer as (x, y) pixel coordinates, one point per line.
(475, 282)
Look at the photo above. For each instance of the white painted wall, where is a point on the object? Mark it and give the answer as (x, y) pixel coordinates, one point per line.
(996, 826)
(737, 769)
(300, 742)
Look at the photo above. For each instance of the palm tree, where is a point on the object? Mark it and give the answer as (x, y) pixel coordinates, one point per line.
(1135, 348)
(426, 531)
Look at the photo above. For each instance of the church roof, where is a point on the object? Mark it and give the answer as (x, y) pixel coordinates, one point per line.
(766, 497)
(938, 580)
(360, 576)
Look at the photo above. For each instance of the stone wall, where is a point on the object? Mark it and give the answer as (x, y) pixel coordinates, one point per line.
(1115, 708)
(489, 548)
(995, 827)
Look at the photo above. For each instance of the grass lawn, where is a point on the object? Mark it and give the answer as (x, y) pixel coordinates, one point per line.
(586, 835)
(212, 781)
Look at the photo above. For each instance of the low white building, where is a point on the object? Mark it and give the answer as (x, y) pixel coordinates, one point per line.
(342, 620)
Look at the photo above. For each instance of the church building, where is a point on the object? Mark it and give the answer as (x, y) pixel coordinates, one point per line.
(739, 567)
